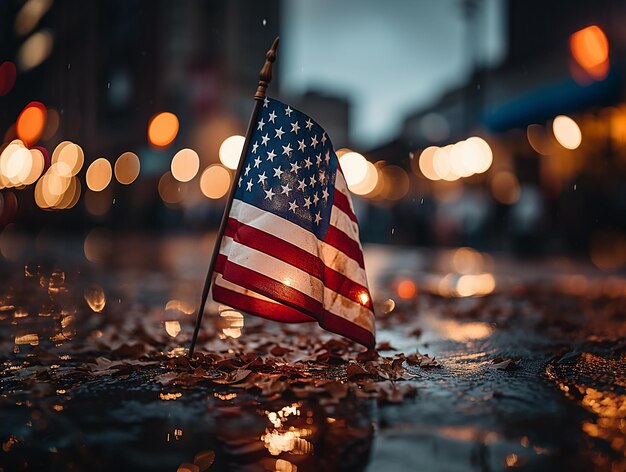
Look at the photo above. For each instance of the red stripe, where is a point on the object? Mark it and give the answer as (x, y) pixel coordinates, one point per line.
(263, 308)
(341, 326)
(297, 257)
(342, 202)
(341, 241)
(269, 287)
(294, 299)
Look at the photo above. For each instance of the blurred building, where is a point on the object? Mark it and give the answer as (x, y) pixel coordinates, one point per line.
(539, 194)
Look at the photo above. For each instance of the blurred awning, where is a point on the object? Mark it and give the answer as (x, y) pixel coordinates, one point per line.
(543, 103)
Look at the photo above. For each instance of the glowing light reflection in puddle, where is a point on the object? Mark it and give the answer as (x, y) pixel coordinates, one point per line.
(231, 323)
(456, 330)
(283, 438)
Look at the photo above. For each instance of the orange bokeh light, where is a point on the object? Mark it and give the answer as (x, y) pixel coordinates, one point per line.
(31, 122)
(162, 129)
(590, 49)
(406, 289)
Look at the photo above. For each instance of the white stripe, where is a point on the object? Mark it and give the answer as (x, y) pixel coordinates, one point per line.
(222, 282)
(276, 269)
(342, 186)
(343, 223)
(302, 281)
(298, 236)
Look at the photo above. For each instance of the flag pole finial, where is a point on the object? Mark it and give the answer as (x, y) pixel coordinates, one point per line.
(265, 76)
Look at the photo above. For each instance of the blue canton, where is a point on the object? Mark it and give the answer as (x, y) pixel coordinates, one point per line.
(289, 169)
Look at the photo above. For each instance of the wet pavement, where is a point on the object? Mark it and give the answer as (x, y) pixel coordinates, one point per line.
(530, 374)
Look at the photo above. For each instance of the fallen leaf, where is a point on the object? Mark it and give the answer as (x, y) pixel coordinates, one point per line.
(355, 370)
(279, 351)
(231, 377)
(504, 363)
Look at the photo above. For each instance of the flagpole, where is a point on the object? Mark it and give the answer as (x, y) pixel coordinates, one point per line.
(265, 77)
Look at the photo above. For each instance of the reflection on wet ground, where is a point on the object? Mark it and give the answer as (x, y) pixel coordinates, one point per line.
(530, 372)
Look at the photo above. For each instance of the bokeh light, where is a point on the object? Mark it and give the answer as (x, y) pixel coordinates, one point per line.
(98, 204)
(480, 154)
(466, 260)
(16, 165)
(590, 49)
(185, 165)
(8, 73)
(35, 50)
(369, 182)
(30, 14)
(230, 151)
(426, 163)
(442, 164)
(99, 174)
(9, 164)
(354, 168)
(127, 168)
(12, 243)
(406, 289)
(70, 158)
(455, 161)
(607, 249)
(95, 298)
(505, 187)
(172, 328)
(162, 129)
(395, 182)
(471, 285)
(37, 167)
(171, 190)
(539, 139)
(97, 245)
(215, 181)
(566, 132)
(31, 122)
(57, 189)
(464, 158)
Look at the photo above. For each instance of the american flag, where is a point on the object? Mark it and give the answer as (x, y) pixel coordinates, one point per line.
(291, 249)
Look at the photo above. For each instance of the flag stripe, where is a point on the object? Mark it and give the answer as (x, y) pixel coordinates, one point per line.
(342, 202)
(293, 298)
(342, 186)
(286, 252)
(344, 243)
(289, 314)
(260, 307)
(343, 222)
(298, 236)
(309, 289)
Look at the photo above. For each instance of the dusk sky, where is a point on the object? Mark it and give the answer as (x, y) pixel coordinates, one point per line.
(388, 58)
